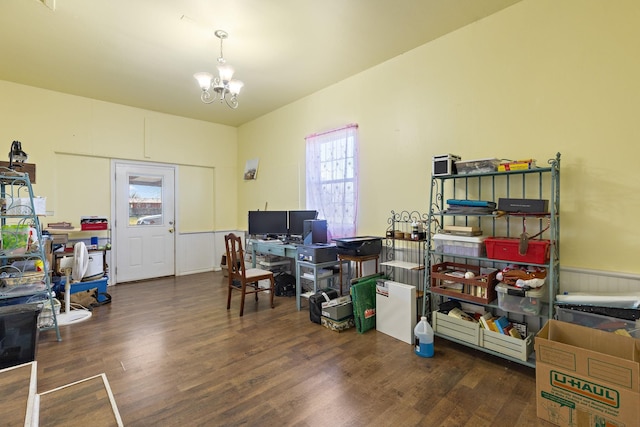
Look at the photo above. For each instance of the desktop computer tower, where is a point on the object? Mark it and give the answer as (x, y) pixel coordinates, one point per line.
(315, 231)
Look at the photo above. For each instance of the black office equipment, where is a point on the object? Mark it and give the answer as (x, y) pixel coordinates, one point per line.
(359, 246)
(318, 253)
(315, 231)
(268, 223)
(523, 205)
(297, 219)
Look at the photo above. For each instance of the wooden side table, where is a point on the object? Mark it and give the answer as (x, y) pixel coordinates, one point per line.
(358, 260)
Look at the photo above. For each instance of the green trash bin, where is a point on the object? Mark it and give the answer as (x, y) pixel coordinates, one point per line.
(363, 297)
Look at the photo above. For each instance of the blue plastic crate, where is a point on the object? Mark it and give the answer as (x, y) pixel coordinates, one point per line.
(101, 284)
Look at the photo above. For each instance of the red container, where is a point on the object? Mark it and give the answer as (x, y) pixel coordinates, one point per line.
(94, 226)
(507, 249)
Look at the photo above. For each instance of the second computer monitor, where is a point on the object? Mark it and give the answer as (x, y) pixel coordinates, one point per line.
(296, 221)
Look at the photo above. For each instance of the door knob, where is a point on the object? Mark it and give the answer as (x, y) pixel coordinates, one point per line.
(171, 230)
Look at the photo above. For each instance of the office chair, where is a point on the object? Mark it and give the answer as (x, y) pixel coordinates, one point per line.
(241, 278)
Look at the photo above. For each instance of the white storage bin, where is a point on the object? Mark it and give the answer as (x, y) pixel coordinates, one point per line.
(459, 245)
(477, 166)
(506, 344)
(517, 300)
(22, 206)
(453, 327)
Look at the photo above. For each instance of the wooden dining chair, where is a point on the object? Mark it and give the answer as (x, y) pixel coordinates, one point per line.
(244, 279)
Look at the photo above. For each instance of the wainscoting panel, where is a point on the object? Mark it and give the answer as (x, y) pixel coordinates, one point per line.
(200, 252)
(583, 280)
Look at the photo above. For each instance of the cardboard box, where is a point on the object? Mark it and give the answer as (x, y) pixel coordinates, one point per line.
(517, 165)
(337, 326)
(586, 377)
(338, 308)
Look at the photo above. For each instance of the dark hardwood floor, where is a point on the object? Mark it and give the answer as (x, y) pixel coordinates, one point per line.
(174, 356)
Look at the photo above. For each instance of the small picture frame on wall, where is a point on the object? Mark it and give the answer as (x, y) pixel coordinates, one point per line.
(251, 170)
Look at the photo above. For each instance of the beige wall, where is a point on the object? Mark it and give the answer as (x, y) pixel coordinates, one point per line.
(72, 141)
(537, 78)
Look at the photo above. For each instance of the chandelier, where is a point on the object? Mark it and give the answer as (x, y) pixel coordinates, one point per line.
(224, 87)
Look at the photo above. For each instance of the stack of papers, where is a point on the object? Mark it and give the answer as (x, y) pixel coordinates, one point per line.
(321, 273)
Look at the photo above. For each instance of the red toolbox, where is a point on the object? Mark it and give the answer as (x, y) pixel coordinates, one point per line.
(94, 223)
(507, 249)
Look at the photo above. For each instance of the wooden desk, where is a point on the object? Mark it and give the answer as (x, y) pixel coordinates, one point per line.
(358, 260)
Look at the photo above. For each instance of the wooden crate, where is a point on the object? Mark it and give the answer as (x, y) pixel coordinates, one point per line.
(506, 344)
(450, 326)
(480, 289)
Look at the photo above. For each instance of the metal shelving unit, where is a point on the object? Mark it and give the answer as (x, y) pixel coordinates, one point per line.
(536, 183)
(405, 244)
(19, 222)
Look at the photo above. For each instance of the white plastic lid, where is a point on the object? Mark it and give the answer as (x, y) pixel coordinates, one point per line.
(456, 238)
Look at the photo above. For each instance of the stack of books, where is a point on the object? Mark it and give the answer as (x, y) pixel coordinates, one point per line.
(499, 324)
(470, 207)
(462, 230)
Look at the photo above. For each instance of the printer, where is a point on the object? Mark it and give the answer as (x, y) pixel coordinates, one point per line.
(359, 246)
(317, 253)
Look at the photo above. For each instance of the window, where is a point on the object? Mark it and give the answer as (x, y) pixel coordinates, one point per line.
(145, 200)
(332, 179)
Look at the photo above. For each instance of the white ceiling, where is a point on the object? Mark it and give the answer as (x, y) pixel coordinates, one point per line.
(143, 53)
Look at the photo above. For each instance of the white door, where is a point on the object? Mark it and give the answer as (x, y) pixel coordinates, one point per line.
(144, 243)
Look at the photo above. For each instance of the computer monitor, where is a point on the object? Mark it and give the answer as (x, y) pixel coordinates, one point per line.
(268, 223)
(296, 221)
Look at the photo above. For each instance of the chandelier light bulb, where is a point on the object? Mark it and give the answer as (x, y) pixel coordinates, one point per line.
(235, 86)
(226, 72)
(204, 79)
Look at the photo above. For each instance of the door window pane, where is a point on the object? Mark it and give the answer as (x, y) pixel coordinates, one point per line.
(145, 200)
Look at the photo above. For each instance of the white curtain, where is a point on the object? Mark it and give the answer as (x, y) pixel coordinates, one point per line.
(332, 179)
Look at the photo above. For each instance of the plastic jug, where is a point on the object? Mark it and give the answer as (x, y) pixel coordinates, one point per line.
(423, 338)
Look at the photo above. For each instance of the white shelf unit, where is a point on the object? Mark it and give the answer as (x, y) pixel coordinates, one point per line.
(404, 250)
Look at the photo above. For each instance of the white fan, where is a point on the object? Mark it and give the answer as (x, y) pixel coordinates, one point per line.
(74, 270)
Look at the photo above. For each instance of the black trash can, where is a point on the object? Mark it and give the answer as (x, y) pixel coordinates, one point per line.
(18, 333)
